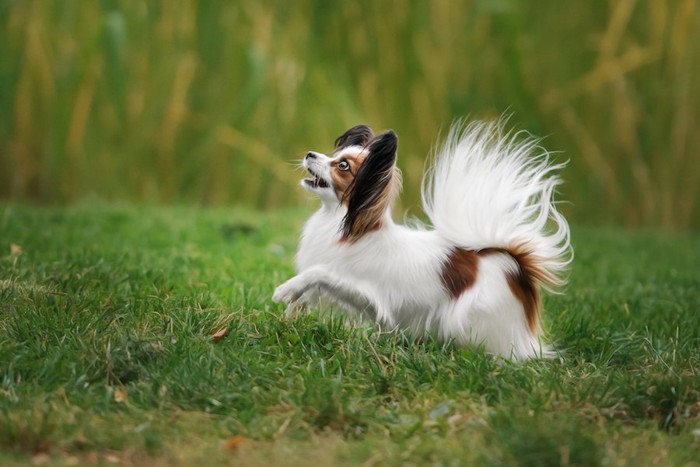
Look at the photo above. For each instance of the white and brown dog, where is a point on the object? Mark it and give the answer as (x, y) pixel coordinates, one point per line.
(474, 277)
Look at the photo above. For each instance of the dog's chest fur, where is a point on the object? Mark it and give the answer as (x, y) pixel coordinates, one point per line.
(401, 266)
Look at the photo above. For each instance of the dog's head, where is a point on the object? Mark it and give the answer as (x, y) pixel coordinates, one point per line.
(360, 174)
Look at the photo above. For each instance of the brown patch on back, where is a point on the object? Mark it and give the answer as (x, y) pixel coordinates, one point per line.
(461, 267)
(525, 290)
(524, 283)
(531, 264)
(459, 271)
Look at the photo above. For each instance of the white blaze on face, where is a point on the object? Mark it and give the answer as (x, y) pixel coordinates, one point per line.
(332, 175)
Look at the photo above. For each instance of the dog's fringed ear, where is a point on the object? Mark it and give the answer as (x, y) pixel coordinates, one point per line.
(359, 135)
(373, 189)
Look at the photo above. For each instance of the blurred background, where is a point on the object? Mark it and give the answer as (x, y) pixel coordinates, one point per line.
(210, 102)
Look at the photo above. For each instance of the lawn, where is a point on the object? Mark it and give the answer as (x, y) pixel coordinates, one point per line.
(146, 335)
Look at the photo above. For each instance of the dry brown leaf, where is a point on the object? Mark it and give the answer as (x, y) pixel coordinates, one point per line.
(220, 334)
(70, 460)
(111, 458)
(41, 458)
(120, 395)
(236, 442)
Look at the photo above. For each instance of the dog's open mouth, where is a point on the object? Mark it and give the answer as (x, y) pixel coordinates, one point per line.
(316, 182)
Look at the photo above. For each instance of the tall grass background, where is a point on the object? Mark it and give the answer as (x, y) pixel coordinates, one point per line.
(207, 102)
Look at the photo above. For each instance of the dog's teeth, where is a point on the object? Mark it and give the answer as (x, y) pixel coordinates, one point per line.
(316, 181)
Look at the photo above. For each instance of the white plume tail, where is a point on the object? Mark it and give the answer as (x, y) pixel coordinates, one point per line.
(490, 189)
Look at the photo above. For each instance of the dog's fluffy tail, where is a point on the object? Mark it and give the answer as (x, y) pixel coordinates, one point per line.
(492, 189)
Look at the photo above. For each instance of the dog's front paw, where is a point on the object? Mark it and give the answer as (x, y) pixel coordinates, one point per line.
(285, 293)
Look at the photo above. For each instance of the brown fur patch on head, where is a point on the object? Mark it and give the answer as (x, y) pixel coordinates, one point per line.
(369, 196)
(459, 271)
(371, 218)
(343, 179)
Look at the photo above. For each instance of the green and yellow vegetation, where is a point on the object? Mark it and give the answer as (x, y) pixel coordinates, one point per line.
(206, 102)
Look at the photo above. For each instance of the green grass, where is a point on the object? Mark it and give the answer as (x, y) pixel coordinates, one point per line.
(106, 354)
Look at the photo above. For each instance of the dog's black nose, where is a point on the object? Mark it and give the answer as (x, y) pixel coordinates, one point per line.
(310, 155)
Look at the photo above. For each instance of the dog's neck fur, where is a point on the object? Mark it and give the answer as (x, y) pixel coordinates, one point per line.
(322, 236)
(330, 217)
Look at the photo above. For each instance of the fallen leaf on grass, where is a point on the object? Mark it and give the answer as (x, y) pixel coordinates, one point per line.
(457, 421)
(120, 395)
(111, 458)
(41, 459)
(236, 442)
(220, 334)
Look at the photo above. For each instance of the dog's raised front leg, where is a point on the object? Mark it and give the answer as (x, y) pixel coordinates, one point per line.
(315, 283)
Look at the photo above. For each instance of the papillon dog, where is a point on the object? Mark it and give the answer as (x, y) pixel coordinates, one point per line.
(474, 277)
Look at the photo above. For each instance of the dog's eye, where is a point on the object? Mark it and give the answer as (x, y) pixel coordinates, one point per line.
(343, 165)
